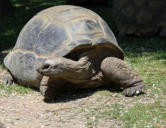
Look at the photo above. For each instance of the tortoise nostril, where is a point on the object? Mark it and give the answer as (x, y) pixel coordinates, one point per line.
(46, 66)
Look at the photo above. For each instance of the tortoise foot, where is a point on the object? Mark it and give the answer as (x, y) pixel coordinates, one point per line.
(7, 79)
(133, 91)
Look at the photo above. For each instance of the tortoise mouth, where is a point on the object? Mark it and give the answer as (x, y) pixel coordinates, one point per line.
(48, 70)
(43, 68)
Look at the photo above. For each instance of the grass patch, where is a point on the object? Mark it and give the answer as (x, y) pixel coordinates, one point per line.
(136, 116)
(104, 113)
(8, 90)
(144, 116)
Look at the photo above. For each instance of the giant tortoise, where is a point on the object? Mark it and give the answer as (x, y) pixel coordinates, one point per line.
(140, 17)
(69, 47)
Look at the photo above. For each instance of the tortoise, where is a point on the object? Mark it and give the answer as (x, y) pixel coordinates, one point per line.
(142, 18)
(69, 47)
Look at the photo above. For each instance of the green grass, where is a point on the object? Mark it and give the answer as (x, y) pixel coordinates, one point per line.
(146, 55)
(143, 115)
(11, 90)
(152, 113)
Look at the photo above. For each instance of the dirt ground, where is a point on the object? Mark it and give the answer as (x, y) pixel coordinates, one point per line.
(30, 111)
(70, 110)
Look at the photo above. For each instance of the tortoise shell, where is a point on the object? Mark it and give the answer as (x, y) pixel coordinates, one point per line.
(139, 17)
(59, 30)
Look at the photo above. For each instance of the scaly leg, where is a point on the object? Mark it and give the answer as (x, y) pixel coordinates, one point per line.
(51, 87)
(7, 78)
(122, 74)
(47, 90)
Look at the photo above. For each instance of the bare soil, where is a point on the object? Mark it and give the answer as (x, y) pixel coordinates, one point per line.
(31, 111)
(70, 110)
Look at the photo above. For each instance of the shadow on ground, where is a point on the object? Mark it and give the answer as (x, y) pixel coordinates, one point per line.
(78, 94)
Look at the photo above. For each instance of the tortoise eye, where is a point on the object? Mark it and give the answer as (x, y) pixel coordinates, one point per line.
(46, 66)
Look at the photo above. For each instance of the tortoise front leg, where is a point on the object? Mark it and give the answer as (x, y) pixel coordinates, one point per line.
(48, 91)
(122, 74)
(44, 85)
(7, 78)
(51, 87)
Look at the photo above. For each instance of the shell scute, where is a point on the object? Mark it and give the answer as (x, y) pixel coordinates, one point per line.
(29, 34)
(108, 34)
(83, 28)
(50, 39)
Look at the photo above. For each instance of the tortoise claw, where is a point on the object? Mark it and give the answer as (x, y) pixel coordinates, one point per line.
(133, 91)
(7, 79)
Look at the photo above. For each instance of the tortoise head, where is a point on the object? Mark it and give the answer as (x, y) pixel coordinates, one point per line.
(67, 68)
(53, 67)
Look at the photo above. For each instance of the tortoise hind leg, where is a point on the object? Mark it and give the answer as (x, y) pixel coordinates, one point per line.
(122, 74)
(7, 78)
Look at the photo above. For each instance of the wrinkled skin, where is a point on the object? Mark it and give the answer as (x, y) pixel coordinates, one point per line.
(83, 72)
(92, 70)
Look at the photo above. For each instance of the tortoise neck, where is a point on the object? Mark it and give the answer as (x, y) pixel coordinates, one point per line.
(79, 71)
